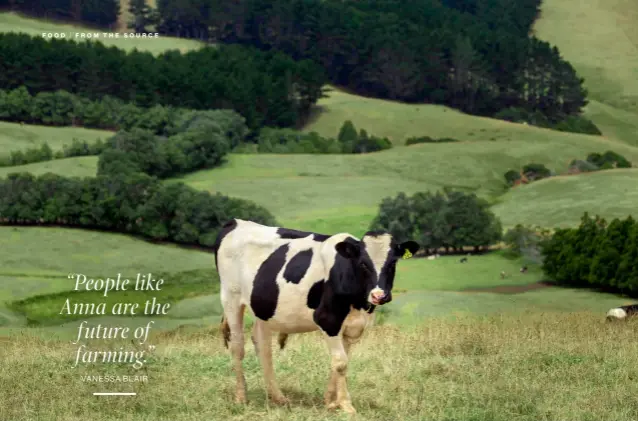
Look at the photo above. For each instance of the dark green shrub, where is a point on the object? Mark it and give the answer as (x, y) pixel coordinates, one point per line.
(595, 254)
(428, 139)
(577, 124)
(608, 160)
(578, 165)
(534, 171)
(512, 176)
(275, 140)
(420, 139)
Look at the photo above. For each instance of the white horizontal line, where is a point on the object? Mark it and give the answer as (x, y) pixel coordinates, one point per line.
(114, 393)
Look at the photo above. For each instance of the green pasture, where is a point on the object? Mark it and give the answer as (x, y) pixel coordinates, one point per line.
(561, 201)
(36, 261)
(83, 166)
(341, 193)
(399, 121)
(446, 273)
(19, 137)
(37, 251)
(411, 308)
(13, 22)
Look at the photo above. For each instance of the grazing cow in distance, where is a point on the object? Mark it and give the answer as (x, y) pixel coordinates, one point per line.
(463, 260)
(297, 282)
(524, 269)
(622, 312)
(503, 274)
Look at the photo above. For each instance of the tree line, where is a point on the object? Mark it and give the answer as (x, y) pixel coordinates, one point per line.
(132, 203)
(446, 219)
(475, 55)
(61, 108)
(97, 13)
(267, 88)
(289, 141)
(597, 254)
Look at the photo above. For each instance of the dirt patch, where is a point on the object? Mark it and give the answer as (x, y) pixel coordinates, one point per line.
(511, 289)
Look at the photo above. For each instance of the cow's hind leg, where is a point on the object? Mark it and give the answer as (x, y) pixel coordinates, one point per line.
(234, 319)
(262, 338)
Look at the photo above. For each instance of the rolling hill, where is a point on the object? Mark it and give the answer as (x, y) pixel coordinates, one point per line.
(600, 39)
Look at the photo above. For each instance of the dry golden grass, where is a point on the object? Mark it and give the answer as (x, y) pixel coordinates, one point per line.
(535, 366)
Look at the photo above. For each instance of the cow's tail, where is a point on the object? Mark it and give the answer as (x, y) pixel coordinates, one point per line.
(282, 339)
(225, 329)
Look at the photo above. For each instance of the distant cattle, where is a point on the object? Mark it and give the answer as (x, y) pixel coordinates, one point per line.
(503, 274)
(296, 282)
(622, 312)
(524, 269)
(463, 260)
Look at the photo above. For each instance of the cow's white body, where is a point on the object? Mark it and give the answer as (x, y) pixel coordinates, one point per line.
(242, 252)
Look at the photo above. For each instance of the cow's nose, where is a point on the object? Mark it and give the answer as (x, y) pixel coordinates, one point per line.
(379, 296)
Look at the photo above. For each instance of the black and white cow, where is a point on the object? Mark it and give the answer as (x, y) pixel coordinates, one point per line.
(622, 312)
(297, 282)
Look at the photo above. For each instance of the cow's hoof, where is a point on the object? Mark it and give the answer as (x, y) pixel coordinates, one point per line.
(279, 399)
(240, 398)
(331, 405)
(347, 407)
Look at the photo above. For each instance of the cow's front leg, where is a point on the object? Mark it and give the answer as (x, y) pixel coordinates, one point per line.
(337, 394)
(262, 338)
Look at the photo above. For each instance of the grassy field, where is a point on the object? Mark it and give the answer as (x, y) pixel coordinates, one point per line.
(601, 41)
(18, 137)
(561, 201)
(399, 121)
(551, 366)
(12, 22)
(84, 166)
(37, 261)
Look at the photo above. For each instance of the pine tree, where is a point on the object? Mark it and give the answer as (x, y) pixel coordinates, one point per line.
(140, 13)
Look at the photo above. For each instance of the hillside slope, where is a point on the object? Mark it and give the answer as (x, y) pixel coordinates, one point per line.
(561, 201)
(600, 39)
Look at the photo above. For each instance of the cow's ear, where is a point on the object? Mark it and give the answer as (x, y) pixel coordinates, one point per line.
(407, 249)
(348, 249)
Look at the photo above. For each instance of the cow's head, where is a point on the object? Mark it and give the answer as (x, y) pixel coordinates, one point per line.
(372, 264)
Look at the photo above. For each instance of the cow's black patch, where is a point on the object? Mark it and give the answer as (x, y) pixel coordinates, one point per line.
(298, 266)
(263, 299)
(320, 237)
(226, 228)
(630, 309)
(314, 295)
(343, 277)
(332, 311)
(290, 234)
